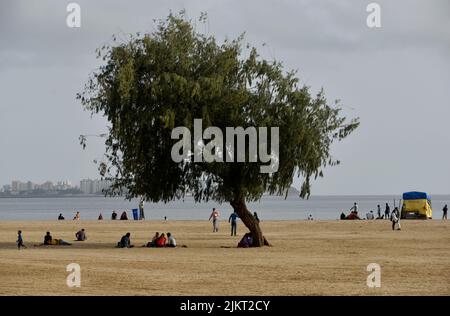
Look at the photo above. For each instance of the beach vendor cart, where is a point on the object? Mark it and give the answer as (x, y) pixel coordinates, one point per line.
(416, 205)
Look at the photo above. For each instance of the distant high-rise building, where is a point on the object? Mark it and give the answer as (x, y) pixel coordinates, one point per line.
(88, 186)
(15, 186)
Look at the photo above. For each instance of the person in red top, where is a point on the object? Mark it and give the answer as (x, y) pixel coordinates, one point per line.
(161, 241)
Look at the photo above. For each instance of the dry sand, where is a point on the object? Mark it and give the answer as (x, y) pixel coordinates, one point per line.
(307, 258)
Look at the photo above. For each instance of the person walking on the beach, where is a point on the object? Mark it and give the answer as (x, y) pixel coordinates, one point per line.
(233, 221)
(444, 212)
(215, 219)
(141, 210)
(20, 243)
(387, 211)
(354, 208)
(395, 218)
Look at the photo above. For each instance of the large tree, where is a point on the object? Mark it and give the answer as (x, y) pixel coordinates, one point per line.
(149, 84)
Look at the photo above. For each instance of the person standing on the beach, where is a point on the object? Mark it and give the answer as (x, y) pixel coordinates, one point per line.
(233, 221)
(387, 211)
(215, 219)
(444, 212)
(20, 243)
(141, 209)
(395, 218)
(255, 215)
(354, 208)
(378, 211)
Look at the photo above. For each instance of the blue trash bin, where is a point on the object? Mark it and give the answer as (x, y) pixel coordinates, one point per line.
(135, 214)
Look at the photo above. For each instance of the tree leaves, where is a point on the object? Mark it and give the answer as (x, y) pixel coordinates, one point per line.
(154, 82)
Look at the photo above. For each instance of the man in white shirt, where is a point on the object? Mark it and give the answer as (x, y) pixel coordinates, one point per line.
(171, 242)
(354, 208)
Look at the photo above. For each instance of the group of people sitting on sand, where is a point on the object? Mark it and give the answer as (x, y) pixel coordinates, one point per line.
(158, 241)
(123, 216)
(353, 215)
(75, 218)
(50, 241)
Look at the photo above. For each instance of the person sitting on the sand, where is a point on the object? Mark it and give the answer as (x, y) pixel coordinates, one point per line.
(161, 241)
(343, 216)
(353, 215)
(48, 239)
(114, 215)
(152, 243)
(125, 241)
(246, 241)
(370, 215)
(100, 217)
(124, 216)
(77, 216)
(60, 217)
(171, 242)
(81, 235)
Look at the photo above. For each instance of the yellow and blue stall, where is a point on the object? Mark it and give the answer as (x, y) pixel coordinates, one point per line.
(416, 205)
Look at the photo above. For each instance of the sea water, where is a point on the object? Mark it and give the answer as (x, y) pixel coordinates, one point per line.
(268, 208)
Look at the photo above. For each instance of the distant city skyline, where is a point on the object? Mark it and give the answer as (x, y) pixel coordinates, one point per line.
(86, 186)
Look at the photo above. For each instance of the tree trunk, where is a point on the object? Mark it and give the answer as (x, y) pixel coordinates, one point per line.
(250, 222)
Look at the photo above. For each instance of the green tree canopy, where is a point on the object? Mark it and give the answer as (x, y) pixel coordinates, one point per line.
(155, 82)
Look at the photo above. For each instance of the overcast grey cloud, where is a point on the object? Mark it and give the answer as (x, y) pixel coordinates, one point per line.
(396, 79)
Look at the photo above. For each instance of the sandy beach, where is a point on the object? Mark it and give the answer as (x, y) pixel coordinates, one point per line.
(307, 258)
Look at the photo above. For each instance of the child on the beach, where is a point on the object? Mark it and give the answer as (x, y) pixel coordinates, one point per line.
(20, 243)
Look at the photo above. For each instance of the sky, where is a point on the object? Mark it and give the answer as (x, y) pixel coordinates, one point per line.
(396, 79)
